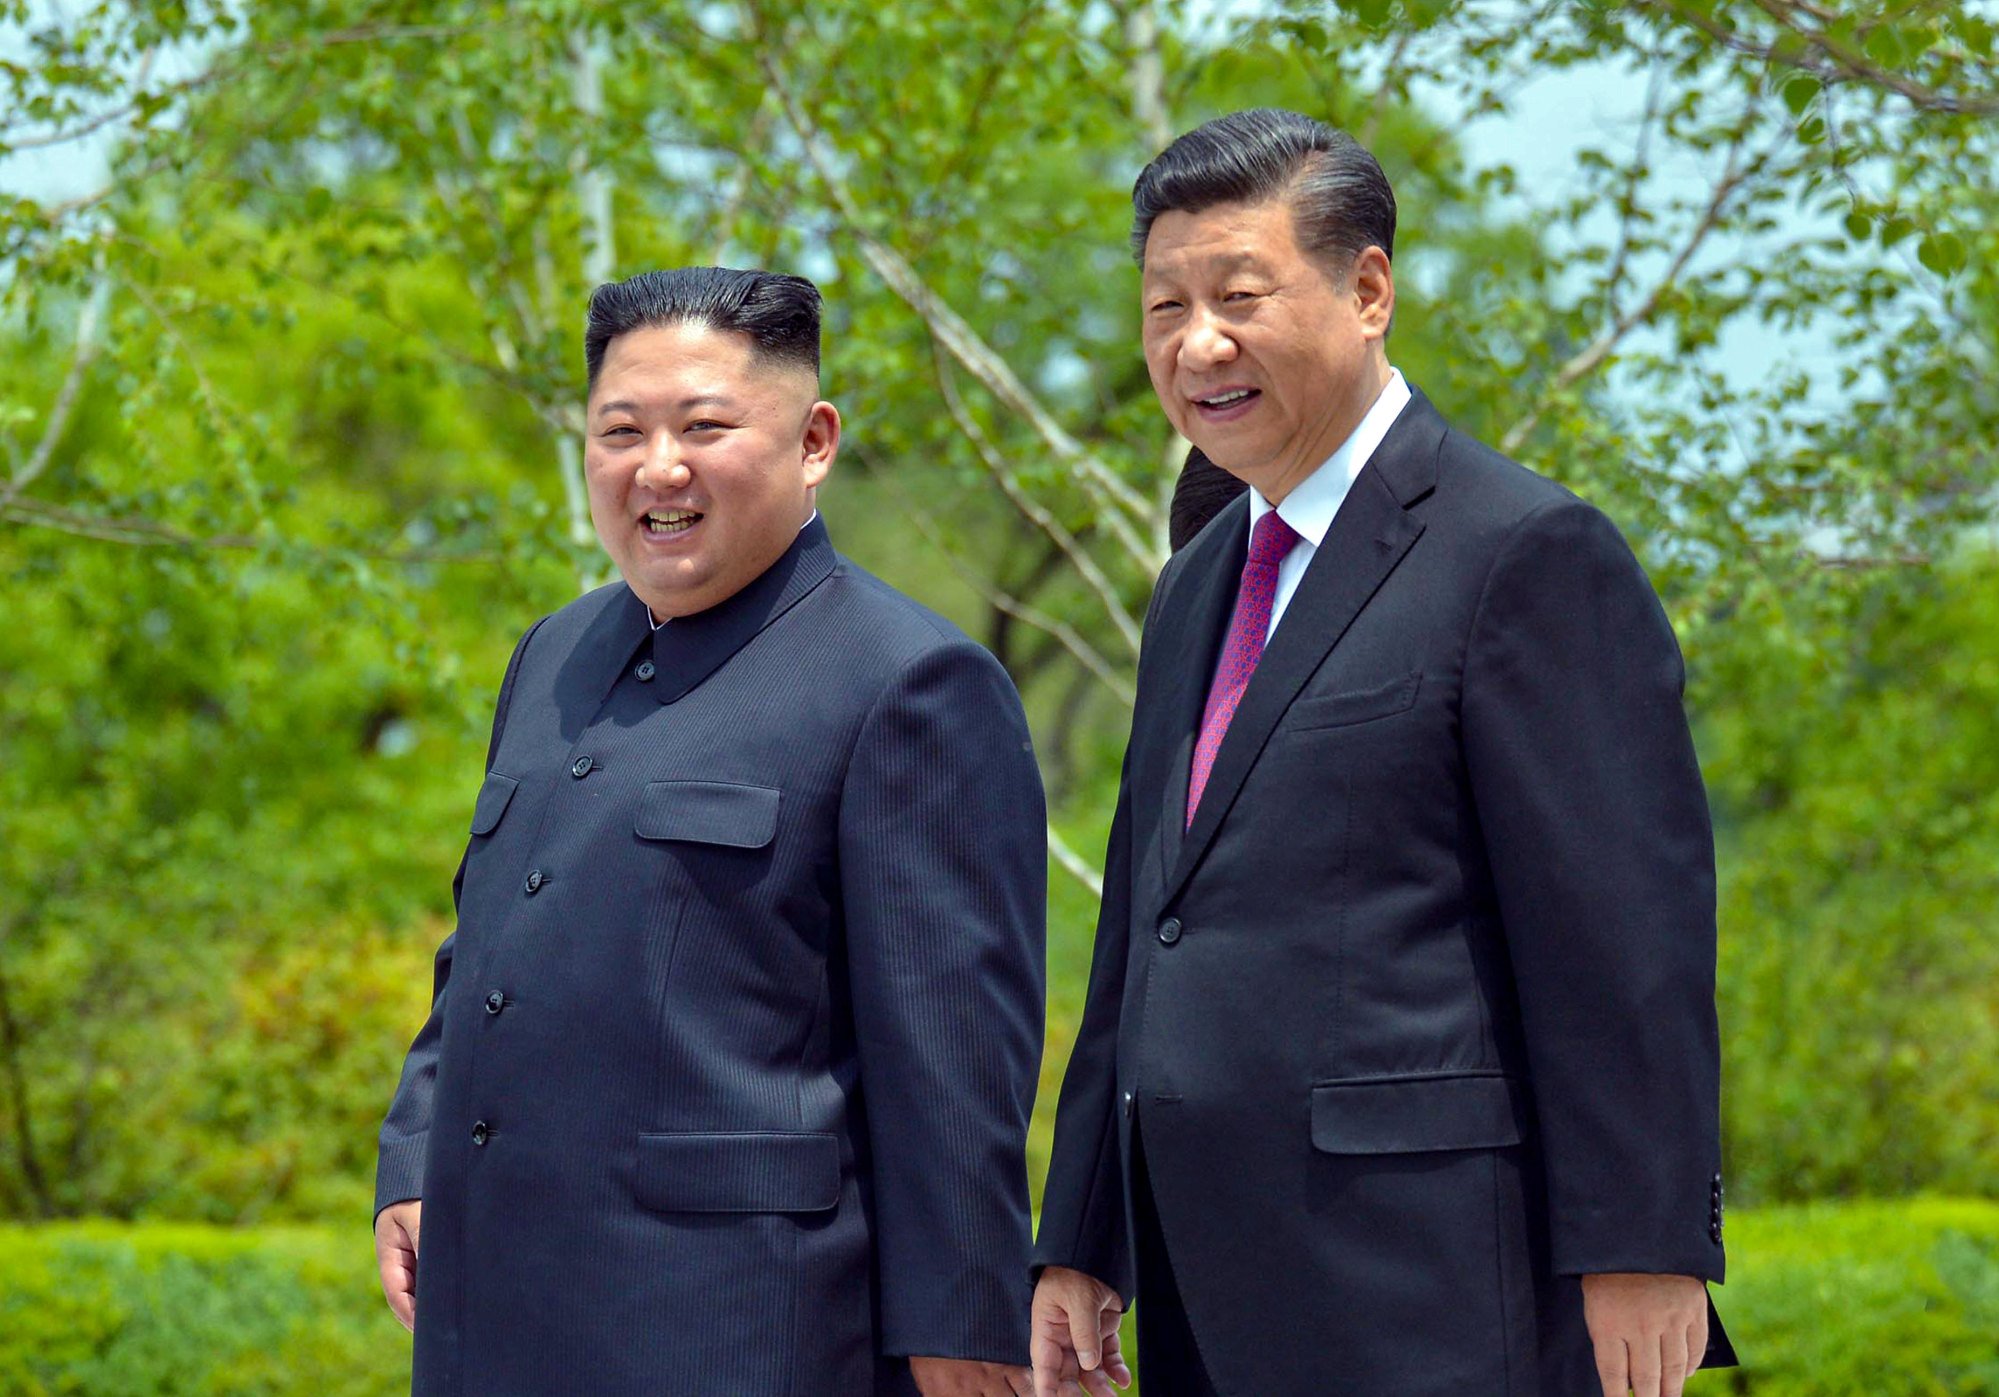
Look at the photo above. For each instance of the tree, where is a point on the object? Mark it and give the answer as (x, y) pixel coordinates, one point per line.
(309, 355)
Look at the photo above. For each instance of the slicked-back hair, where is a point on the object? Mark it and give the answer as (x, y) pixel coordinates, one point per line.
(779, 313)
(1340, 200)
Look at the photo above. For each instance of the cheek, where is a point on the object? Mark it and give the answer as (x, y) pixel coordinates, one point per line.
(603, 477)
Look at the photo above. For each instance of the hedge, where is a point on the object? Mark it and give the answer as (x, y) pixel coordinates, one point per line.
(1867, 1299)
(104, 1309)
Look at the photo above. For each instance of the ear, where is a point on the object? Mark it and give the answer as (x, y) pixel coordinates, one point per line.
(1372, 283)
(821, 442)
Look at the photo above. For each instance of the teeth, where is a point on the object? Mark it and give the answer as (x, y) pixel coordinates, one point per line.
(670, 521)
(1223, 400)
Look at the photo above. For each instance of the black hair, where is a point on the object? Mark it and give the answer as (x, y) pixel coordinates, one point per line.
(1339, 197)
(779, 313)
(1203, 490)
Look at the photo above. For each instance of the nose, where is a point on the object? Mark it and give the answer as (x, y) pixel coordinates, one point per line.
(662, 468)
(1206, 344)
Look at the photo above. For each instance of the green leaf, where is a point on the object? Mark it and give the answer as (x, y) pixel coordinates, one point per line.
(1884, 46)
(1942, 253)
(1800, 91)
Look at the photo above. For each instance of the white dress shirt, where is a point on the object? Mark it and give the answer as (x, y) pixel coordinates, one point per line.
(1311, 505)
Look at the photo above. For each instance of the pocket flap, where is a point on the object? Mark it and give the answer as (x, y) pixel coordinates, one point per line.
(492, 803)
(739, 1172)
(1356, 705)
(1407, 1115)
(708, 812)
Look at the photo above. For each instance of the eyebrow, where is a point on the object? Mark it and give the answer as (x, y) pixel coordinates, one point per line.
(1223, 262)
(692, 400)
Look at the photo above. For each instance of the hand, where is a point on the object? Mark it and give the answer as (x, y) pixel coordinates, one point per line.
(1650, 1332)
(395, 1253)
(1073, 1337)
(963, 1377)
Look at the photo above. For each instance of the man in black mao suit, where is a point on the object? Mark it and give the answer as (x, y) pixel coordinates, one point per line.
(1398, 1071)
(727, 1082)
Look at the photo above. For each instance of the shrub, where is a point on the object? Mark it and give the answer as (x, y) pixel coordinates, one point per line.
(111, 1310)
(1870, 1299)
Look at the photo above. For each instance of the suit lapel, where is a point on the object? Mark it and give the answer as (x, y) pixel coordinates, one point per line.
(1369, 536)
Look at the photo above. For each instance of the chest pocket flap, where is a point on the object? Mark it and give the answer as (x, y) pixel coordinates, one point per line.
(493, 798)
(708, 812)
(1356, 706)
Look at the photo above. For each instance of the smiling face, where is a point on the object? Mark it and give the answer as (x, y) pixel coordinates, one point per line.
(1261, 357)
(703, 459)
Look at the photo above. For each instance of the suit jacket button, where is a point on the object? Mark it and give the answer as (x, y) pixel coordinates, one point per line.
(645, 671)
(534, 882)
(495, 1002)
(582, 768)
(1169, 931)
(480, 1130)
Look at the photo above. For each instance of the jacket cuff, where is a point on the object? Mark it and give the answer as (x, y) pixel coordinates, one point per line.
(1594, 1242)
(399, 1171)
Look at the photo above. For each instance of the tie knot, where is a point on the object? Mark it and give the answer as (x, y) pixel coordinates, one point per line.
(1271, 540)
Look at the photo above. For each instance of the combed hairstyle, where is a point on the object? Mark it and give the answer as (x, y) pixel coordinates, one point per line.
(779, 313)
(1340, 200)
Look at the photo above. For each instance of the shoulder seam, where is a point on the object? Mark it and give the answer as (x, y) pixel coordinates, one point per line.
(1499, 556)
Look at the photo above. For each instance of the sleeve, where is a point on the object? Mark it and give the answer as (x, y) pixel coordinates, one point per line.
(1597, 833)
(1083, 1204)
(399, 1162)
(944, 883)
(1082, 1207)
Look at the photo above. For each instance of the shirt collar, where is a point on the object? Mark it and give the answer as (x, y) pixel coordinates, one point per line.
(656, 623)
(1313, 502)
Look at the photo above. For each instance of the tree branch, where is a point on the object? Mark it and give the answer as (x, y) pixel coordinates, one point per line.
(1030, 509)
(1634, 173)
(1074, 864)
(1594, 355)
(1148, 76)
(85, 350)
(25, 1150)
(147, 533)
(1124, 509)
(1826, 58)
(1065, 634)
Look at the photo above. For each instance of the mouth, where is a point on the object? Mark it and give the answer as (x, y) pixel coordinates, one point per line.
(666, 523)
(1226, 404)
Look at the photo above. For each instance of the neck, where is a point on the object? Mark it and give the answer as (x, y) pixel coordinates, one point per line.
(1313, 447)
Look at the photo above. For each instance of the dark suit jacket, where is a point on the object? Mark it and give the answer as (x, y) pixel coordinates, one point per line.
(1419, 1015)
(727, 1083)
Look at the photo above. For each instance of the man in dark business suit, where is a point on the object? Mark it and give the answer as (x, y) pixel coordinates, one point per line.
(726, 1085)
(1398, 1070)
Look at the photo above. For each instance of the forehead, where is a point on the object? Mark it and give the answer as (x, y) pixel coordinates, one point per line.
(1221, 238)
(670, 359)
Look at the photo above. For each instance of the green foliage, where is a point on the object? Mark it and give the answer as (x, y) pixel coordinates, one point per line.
(95, 1310)
(1856, 778)
(1862, 1300)
(1830, 1300)
(288, 425)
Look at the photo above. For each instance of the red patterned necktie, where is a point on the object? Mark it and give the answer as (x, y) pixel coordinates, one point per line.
(1242, 648)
